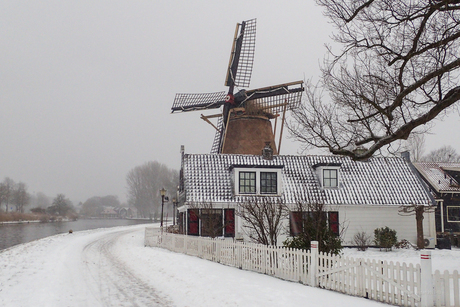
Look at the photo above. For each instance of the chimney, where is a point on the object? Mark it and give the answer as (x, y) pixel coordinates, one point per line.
(406, 155)
(267, 152)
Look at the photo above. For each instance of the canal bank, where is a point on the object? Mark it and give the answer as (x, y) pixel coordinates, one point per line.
(14, 233)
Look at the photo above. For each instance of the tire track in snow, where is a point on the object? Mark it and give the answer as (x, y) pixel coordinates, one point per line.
(110, 279)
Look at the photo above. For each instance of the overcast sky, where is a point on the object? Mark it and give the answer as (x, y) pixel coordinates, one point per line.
(86, 87)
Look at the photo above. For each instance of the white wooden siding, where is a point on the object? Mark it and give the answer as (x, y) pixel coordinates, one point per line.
(354, 219)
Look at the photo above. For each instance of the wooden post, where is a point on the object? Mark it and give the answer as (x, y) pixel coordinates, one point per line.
(313, 270)
(426, 287)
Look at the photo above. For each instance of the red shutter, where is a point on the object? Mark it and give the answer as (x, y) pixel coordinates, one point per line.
(193, 223)
(229, 222)
(296, 223)
(334, 222)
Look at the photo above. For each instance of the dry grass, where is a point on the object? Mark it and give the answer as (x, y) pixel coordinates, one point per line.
(16, 216)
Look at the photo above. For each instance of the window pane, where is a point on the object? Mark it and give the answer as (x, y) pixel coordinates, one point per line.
(211, 222)
(247, 182)
(453, 214)
(268, 183)
(330, 178)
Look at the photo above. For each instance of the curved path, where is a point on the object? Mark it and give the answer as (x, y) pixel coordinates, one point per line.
(80, 269)
(111, 267)
(113, 281)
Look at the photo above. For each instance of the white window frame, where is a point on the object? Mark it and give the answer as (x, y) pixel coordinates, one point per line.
(447, 209)
(320, 173)
(258, 180)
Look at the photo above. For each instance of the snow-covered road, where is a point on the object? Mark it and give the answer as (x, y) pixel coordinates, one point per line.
(111, 267)
(112, 279)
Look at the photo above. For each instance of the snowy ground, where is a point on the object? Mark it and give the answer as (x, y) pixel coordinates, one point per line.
(111, 267)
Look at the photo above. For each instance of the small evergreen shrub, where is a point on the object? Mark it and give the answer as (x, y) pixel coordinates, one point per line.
(385, 238)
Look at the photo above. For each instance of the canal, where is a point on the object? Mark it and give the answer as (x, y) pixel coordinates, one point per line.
(13, 234)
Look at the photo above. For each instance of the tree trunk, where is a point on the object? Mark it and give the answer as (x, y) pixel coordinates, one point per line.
(419, 210)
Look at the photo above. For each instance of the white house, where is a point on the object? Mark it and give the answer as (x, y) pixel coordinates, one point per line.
(360, 196)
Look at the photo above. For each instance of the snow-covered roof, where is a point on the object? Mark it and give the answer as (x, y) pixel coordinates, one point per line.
(436, 174)
(377, 181)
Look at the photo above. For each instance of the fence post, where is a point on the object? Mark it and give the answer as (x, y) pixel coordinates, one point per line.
(426, 276)
(314, 264)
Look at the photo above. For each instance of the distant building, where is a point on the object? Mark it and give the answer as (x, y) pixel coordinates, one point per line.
(443, 179)
(109, 213)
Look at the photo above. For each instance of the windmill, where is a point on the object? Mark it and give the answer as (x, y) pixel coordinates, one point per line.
(244, 126)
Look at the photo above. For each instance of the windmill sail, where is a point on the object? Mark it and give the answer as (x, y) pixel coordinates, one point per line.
(215, 149)
(242, 55)
(192, 102)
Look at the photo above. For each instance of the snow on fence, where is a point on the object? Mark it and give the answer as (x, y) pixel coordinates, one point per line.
(392, 283)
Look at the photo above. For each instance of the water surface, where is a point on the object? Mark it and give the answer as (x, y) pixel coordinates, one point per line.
(13, 234)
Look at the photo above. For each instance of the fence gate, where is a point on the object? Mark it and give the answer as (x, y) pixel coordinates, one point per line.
(377, 280)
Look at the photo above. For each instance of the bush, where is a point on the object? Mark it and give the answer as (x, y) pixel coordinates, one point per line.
(362, 240)
(330, 243)
(385, 238)
(38, 210)
(404, 244)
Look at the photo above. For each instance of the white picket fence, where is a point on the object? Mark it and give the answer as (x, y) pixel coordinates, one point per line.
(288, 264)
(392, 283)
(446, 287)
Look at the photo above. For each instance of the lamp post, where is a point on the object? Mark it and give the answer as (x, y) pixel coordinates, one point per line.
(162, 193)
(174, 200)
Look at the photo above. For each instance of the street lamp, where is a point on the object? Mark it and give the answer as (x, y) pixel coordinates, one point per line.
(174, 210)
(162, 193)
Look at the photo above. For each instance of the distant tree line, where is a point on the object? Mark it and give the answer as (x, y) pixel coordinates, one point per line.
(13, 194)
(14, 197)
(144, 183)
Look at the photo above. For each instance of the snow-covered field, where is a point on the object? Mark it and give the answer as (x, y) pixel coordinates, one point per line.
(111, 267)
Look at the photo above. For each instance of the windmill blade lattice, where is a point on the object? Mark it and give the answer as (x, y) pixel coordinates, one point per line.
(217, 138)
(244, 57)
(192, 102)
(275, 98)
(276, 104)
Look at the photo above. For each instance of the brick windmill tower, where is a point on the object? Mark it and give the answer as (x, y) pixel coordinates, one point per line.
(244, 125)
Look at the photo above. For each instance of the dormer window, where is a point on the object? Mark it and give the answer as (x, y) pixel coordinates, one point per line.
(247, 182)
(258, 181)
(328, 174)
(330, 178)
(268, 183)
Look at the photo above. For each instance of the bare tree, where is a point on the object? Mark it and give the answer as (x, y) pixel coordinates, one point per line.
(398, 70)
(443, 154)
(20, 196)
(144, 184)
(310, 222)
(416, 146)
(42, 200)
(6, 192)
(61, 206)
(262, 218)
